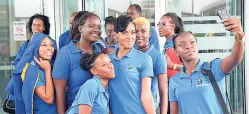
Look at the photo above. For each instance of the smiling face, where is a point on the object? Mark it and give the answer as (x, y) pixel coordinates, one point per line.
(126, 39)
(46, 49)
(37, 26)
(103, 67)
(91, 29)
(186, 47)
(142, 32)
(142, 35)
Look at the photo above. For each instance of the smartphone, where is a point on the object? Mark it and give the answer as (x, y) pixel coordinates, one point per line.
(223, 13)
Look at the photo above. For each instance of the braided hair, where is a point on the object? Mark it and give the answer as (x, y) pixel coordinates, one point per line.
(76, 35)
(76, 22)
(87, 60)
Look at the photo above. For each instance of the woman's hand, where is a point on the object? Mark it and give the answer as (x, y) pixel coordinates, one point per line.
(234, 25)
(44, 64)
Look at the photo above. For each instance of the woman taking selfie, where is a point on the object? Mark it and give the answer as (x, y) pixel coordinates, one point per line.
(190, 91)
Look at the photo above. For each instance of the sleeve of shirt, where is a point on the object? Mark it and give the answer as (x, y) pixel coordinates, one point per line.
(216, 69)
(61, 41)
(154, 39)
(147, 67)
(172, 96)
(40, 82)
(61, 67)
(88, 93)
(160, 65)
(20, 53)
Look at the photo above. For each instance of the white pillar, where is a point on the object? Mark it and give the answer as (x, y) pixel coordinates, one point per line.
(246, 26)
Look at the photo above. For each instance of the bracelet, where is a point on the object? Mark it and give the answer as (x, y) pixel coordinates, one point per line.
(240, 40)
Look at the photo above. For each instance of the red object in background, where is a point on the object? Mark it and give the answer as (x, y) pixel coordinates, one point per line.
(174, 59)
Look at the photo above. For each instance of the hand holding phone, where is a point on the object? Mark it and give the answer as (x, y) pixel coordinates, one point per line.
(223, 14)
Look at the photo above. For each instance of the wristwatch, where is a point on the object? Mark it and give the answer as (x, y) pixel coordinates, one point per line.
(242, 40)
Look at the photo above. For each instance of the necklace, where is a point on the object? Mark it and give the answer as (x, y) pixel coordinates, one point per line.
(140, 49)
(78, 46)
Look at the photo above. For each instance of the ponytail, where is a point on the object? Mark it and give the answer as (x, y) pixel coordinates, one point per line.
(177, 21)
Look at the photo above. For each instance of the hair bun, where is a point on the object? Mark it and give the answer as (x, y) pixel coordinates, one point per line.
(87, 60)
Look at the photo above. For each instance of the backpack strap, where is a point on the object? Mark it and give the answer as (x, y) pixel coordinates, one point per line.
(206, 70)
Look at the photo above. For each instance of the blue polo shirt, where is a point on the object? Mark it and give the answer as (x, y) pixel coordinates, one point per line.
(168, 44)
(67, 67)
(93, 94)
(64, 39)
(39, 104)
(103, 42)
(125, 88)
(194, 94)
(154, 39)
(159, 67)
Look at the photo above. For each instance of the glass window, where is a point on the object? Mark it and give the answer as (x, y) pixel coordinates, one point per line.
(67, 8)
(214, 41)
(115, 8)
(96, 6)
(10, 11)
(148, 9)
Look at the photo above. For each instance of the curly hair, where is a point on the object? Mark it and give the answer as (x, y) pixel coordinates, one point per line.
(45, 20)
(122, 23)
(75, 33)
(87, 60)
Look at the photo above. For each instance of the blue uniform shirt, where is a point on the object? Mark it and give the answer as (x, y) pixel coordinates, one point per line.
(64, 39)
(194, 93)
(168, 44)
(154, 39)
(125, 88)
(67, 67)
(38, 102)
(94, 94)
(159, 67)
(103, 42)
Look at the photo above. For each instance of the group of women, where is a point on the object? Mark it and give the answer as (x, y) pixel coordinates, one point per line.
(86, 78)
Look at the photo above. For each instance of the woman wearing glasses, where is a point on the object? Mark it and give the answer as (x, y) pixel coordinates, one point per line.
(169, 26)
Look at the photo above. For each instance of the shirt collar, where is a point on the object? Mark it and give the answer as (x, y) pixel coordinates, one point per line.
(151, 48)
(129, 54)
(101, 87)
(169, 42)
(197, 69)
(114, 45)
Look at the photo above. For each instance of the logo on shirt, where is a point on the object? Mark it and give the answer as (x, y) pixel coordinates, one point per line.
(131, 68)
(202, 82)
